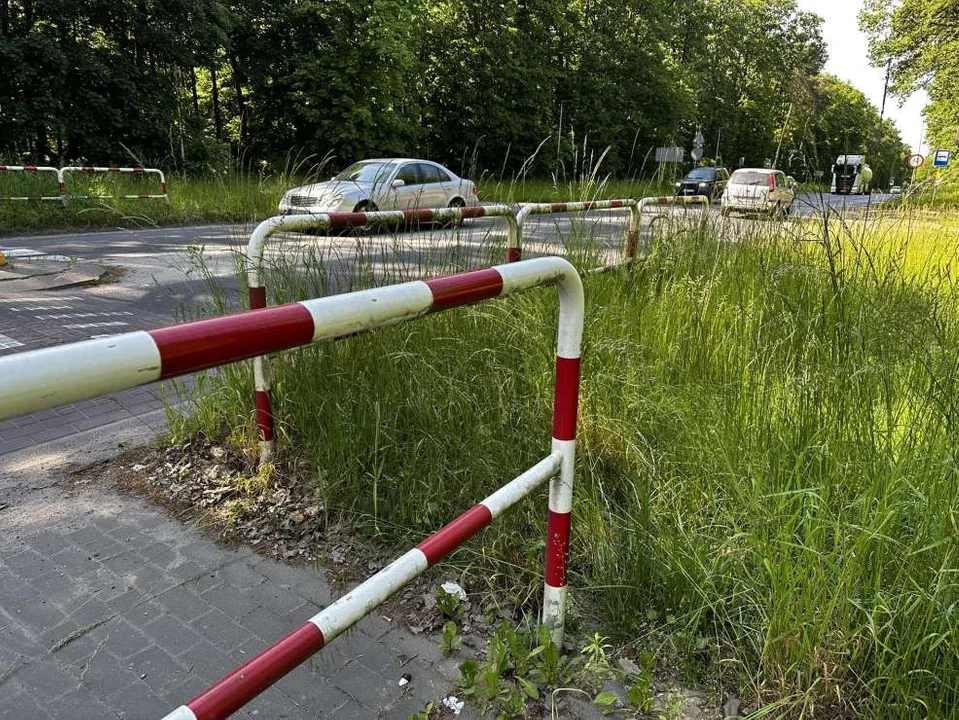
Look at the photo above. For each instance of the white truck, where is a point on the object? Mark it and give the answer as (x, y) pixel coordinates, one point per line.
(851, 176)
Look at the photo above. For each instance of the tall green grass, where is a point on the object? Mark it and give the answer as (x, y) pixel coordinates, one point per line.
(767, 494)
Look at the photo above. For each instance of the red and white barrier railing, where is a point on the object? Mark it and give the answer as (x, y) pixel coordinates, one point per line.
(40, 379)
(514, 248)
(256, 280)
(34, 169)
(162, 195)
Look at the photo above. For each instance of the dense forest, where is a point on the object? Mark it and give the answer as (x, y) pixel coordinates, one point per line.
(202, 85)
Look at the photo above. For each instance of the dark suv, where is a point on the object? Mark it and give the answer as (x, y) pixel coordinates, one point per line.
(709, 181)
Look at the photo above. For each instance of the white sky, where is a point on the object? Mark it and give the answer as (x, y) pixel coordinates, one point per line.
(849, 61)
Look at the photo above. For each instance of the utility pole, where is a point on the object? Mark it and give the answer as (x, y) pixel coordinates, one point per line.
(885, 90)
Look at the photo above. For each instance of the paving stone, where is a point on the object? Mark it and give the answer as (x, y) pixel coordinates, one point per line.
(44, 680)
(171, 635)
(79, 704)
(125, 640)
(183, 603)
(23, 706)
(138, 701)
(156, 668)
(37, 615)
(221, 630)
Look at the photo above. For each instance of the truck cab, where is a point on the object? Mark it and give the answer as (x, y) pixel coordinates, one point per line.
(851, 176)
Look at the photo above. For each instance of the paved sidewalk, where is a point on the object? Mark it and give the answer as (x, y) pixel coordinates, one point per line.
(108, 608)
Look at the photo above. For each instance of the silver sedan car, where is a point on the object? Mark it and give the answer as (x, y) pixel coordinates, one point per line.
(383, 184)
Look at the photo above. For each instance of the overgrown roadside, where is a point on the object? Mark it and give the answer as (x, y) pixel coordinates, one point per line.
(725, 384)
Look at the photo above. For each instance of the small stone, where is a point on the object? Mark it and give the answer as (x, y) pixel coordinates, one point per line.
(731, 706)
(629, 667)
(404, 679)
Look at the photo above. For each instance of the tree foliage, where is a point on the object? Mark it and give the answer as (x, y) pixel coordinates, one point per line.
(920, 41)
(194, 83)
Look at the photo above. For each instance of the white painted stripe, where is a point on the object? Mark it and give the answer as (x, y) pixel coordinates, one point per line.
(554, 610)
(181, 713)
(523, 485)
(340, 315)
(77, 316)
(84, 326)
(40, 379)
(41, 307)
(7, 342)
(39, 299)
(361, 600)
(540, 271)
(561, 489)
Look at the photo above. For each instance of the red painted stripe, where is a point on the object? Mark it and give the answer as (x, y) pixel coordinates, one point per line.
(632, 241)
(138, 169)
(163, 185)
(566, 398)
(208, 343)
(422, 215)
(344, 220)
(29, 168)
(558, 207)
(113, 169)
(264, 414)
(557, 548)
(88, 169)
(257, 297)
(475, 211)
(144, 197)
(513, 254)
(3, 168)
(253, 677)
(617, 203)
(589, 205)
(454, 534)
(465, 288)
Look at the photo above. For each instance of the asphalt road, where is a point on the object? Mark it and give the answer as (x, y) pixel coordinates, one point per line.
(165, 275)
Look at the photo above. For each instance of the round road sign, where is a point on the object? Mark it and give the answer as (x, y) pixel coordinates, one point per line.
(915, 161)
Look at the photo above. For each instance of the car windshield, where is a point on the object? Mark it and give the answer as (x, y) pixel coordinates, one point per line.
(702, 174)
(748, 177)
(366, 171)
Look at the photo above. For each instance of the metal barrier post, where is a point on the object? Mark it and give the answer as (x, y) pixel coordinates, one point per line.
(256, 284)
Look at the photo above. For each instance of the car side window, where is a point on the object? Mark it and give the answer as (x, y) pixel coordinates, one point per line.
(444, 176)
(408, 174)
(429, 173)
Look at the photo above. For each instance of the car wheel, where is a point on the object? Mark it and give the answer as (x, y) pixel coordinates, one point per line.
(365, 206)
(455, 203)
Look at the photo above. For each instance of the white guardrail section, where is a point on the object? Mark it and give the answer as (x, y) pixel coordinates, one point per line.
(34, 169)
(256, 278)
(162, 195)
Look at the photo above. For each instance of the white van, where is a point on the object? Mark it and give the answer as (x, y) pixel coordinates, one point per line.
(759, 190)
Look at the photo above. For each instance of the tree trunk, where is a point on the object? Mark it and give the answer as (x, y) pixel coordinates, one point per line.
(240, 101)
(196, 97)
(42, 150)
(215, 96)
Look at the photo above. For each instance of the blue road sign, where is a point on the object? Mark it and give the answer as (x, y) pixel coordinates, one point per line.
(942, 158)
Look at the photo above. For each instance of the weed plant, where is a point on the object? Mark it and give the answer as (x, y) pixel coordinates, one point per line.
(766, 493)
